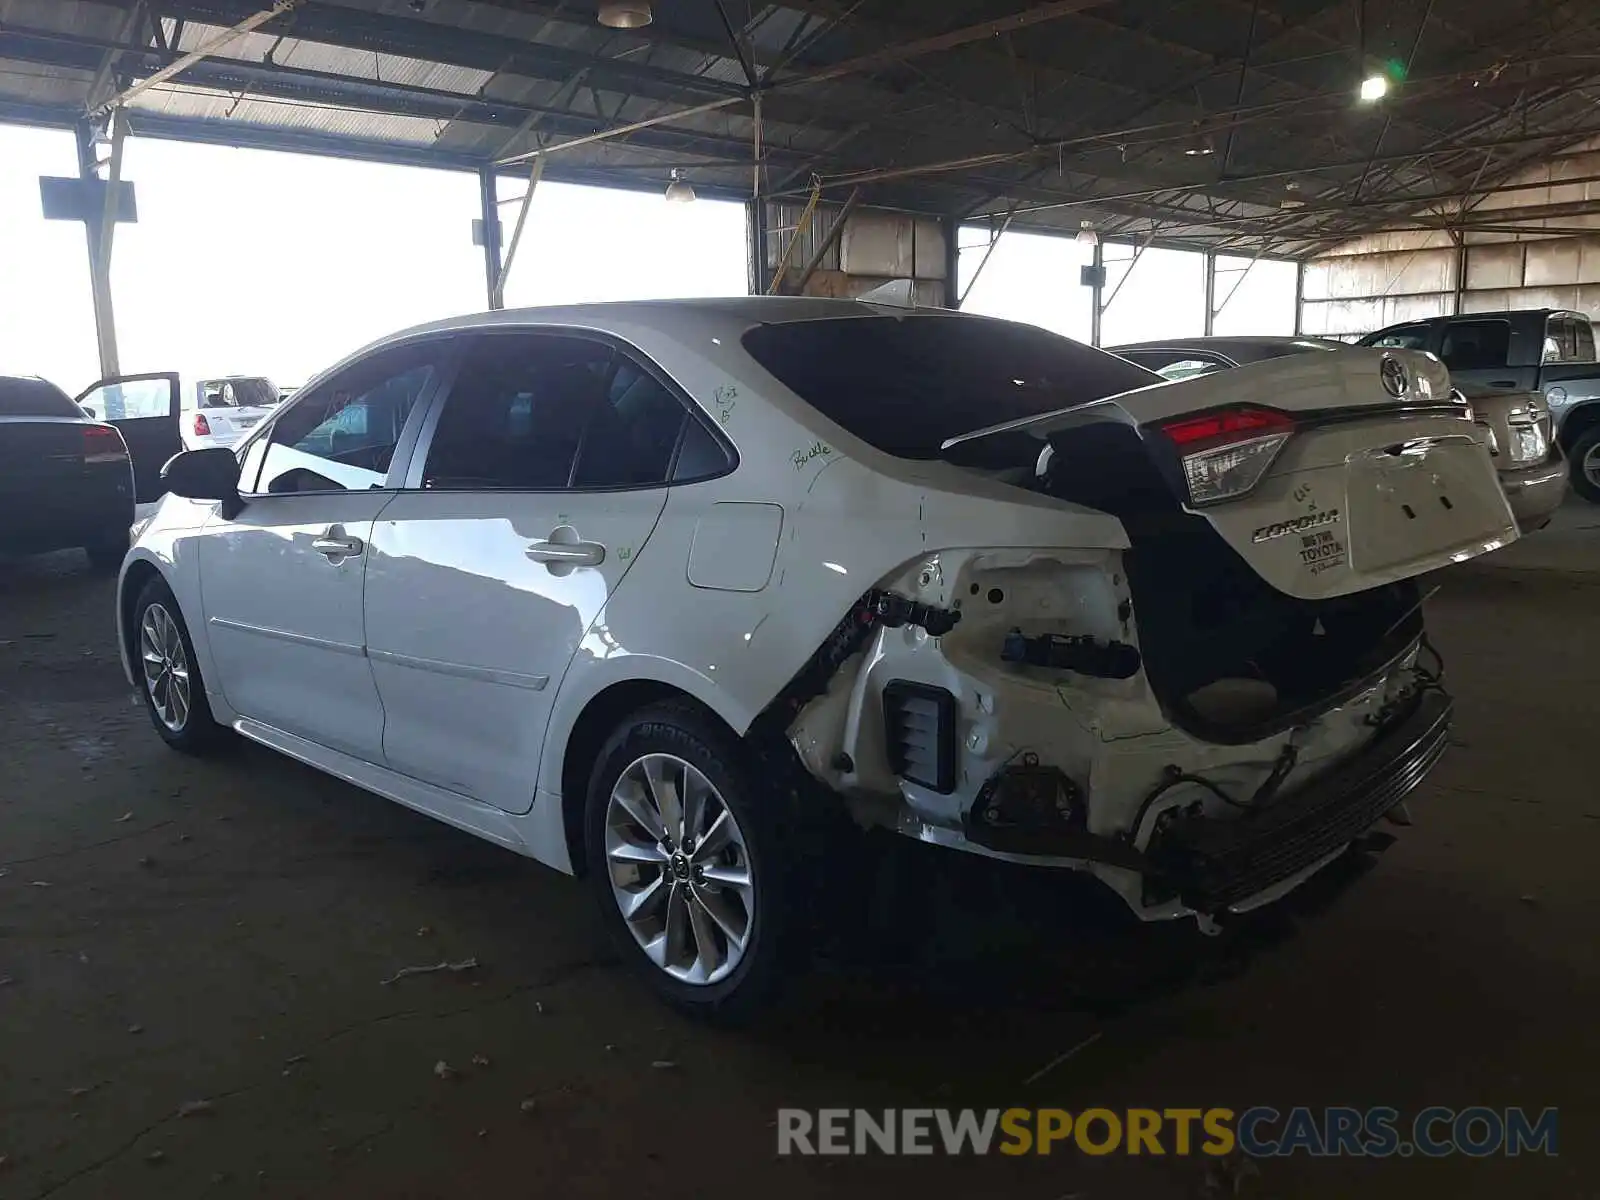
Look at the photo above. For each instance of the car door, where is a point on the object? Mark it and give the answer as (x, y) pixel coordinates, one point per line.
(281, 578)
(537, 483)
(1478, 353)
(144, 408)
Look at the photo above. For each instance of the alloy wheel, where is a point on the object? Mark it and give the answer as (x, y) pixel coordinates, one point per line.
(680, 869)
(1591, 464)
(166, 667)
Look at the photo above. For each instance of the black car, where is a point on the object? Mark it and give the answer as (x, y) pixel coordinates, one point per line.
(68, 480)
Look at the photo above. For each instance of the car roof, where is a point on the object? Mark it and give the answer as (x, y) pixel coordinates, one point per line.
(1230, 345)
(752, 310)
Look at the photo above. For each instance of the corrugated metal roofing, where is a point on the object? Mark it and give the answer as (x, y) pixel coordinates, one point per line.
(1179, 122)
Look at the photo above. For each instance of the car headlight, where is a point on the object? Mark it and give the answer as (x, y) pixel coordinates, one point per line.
(136, 530)
(1528, 444)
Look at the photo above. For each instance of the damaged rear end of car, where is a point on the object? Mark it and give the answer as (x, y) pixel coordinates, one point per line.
(1189, 657)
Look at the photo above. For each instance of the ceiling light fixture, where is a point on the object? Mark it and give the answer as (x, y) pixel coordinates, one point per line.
(680, 190)
(1374, 87)
(1086, 234)
(625, 14)
(1201, 149)
(1291, 198)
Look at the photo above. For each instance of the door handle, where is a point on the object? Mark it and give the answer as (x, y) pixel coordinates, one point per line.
(571, 554)
(335, 543)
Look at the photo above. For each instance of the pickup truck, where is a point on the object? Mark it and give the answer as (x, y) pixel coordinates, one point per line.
(1550, 352)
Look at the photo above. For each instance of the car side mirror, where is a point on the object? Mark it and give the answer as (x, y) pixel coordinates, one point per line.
(210, 474)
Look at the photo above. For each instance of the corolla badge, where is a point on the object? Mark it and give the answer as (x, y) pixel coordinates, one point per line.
(1395, 380)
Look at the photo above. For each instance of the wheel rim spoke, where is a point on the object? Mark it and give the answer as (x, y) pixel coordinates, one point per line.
(664, 791)
(717, 838)
(633, 797)
(735, 925)
(643, 903)
(690, 911)
(708, 953)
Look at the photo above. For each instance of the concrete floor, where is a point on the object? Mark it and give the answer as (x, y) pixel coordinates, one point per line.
(174, 931)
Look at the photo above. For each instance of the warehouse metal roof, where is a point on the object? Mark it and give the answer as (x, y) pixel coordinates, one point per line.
(1229, 124)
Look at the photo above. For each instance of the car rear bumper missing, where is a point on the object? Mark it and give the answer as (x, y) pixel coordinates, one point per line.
(1219, 864)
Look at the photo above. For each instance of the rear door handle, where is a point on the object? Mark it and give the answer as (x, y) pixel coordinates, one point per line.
(571, 554)
(336, 544)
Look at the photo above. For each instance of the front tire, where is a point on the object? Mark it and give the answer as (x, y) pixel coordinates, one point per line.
(168, 673)
(686, 859)
(1584, 463)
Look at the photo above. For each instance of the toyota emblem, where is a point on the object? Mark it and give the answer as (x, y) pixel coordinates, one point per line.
(1395, 379)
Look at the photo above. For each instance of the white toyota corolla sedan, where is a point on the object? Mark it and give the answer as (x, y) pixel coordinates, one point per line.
(651, 592)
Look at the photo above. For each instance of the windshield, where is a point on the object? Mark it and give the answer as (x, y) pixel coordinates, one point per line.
(34, 398)
(906, 384)
(238, 393)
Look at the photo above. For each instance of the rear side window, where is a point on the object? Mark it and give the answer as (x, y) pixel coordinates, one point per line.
(907, 384)
(1476, 345)
(34, 398)
(1568, 340)
(633, 433)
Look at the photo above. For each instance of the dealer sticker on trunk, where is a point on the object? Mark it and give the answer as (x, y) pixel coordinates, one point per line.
(1315, 520)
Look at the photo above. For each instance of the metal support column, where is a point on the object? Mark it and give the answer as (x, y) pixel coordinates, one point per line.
(952, 262)
(1461, 273)
(1299, 297)
(756, 226)
(489, 201)
(1096, 303)
(1211, 292)
(99, 227)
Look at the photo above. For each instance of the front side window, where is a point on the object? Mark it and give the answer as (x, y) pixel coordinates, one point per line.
(341, 435)
(130, 399)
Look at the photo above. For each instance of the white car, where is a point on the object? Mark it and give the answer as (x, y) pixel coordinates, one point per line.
(655, 591)
(218, 412)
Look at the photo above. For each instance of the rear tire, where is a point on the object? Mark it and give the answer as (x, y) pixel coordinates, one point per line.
(1584, 464)
(688, 861)
(168, 674)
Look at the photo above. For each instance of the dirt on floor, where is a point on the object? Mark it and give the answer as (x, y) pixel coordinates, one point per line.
(194, 956)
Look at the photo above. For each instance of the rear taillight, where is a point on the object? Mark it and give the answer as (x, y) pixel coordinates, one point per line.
(202, 427)
(102, 443)
(1225, 453)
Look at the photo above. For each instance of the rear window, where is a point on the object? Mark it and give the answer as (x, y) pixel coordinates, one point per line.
(238, 393)
(907, 384)
(34, 398)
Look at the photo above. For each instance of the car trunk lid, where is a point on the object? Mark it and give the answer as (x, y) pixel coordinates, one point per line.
(1328, 474)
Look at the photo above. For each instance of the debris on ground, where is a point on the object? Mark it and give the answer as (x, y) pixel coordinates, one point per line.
(156, 1156)
(135, 1028)
(1061, 1058)
(77, 1093)
(196, 1108)
(529, 1105)
(1530, 900)
(39, 883)
(424, 930)
(454, 968)
(6, 981)
(444, 1070)
(611, 1047)
(295, 1060)
(1225, 1177)
(664, 1064)
(483, 1133)
(538, 1008)
(480, 1060)
(127, 816)
(146, 861)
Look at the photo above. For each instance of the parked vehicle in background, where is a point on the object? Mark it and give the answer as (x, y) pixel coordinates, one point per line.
(1550, 352)
(1182, 358)
(68, 480)
(1515, 424)
(218, 412)
(661, 592)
